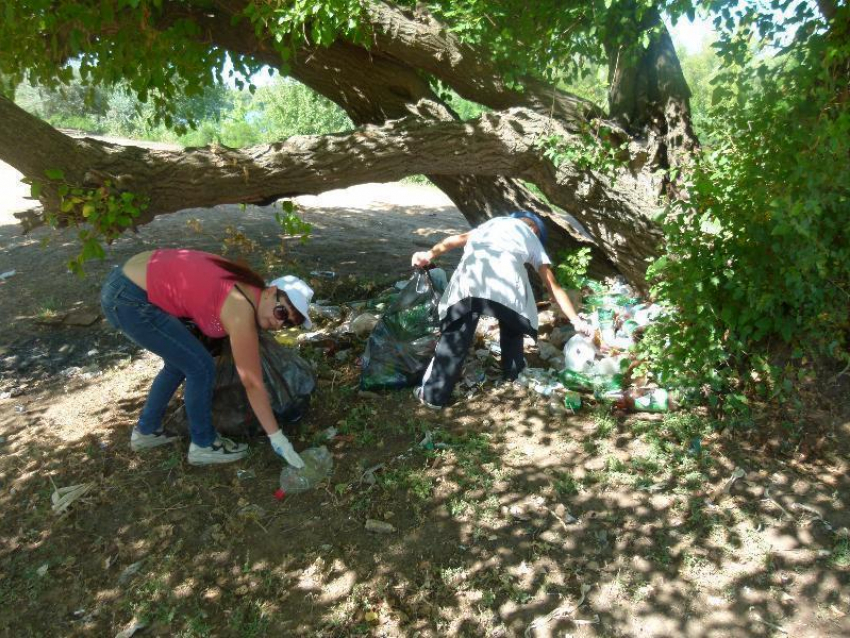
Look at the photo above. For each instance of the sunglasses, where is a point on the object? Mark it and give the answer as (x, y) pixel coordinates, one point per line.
(284, 311)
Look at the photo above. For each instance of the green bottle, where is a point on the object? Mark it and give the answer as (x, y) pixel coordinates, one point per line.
(572, 401)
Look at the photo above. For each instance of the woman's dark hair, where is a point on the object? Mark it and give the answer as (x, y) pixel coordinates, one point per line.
(240, 273)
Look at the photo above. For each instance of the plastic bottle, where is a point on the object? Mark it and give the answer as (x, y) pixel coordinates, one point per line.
(639, 400)
(318, 464)
(657, 400)
(575, 380)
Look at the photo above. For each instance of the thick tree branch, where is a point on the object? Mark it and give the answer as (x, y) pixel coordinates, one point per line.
(493, 145)
(422, 42)
(386, 83)
(373, 88)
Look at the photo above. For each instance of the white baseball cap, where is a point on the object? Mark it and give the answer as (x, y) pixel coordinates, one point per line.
(299, 294)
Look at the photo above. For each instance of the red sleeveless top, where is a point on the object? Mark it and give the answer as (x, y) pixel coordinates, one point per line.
(188, 284)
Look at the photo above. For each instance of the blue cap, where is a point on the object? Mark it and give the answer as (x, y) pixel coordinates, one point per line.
(541, 229)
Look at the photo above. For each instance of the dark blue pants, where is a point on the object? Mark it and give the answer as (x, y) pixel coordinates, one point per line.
(458, 332)
(127, 308)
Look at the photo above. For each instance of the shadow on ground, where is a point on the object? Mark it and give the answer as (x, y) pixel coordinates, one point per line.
(519, 521)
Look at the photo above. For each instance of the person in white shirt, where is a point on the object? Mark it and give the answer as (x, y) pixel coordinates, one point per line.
(490, 280)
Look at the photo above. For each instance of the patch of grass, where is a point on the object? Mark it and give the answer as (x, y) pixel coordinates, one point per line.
(249, 620)
(604, 424)
(360, 503)
(174, 458)
(660, 551)
(590, 446)
(452, 577)
(196, 627)
(678, 435)
(699, 521)
(675, 452)
(565, 484)
(361, 423)
(48, 309)
(596, 477)
(613, 464)
(496, 584)
(344, 615)
(417, 483)
(841, 553)
(693, 562)
(150, 600)
(458, 507)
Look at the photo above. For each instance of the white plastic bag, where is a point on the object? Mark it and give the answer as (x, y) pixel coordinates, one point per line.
(579, 354)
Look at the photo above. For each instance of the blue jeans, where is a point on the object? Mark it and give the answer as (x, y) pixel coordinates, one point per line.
(127, 308)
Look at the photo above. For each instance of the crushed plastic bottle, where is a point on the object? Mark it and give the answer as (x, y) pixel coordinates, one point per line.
(318, 464)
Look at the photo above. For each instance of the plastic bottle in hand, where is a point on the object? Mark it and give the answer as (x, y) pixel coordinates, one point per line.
(318, 464)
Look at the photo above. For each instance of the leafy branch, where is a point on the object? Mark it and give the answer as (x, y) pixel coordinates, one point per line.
(101, 213)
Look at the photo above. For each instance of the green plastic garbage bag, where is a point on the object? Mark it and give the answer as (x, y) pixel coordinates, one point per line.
(403, 342)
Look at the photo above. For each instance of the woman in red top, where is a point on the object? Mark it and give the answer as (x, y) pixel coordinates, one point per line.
(146, 299)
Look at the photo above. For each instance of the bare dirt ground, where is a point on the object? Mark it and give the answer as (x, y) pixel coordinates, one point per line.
(519, 522)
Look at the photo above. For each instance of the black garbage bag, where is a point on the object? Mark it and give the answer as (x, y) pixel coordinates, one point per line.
(403, 342)
(289, 380)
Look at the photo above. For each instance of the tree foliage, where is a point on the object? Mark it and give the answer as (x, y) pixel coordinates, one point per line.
(757, 258)
(220, 115)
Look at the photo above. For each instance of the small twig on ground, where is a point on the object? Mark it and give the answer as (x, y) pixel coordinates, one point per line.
(769, 499)
(558, 613)
(560, 520)
(758, 618)
(162, 510)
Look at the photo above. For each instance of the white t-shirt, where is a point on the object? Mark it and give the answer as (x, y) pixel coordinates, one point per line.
(493, 267)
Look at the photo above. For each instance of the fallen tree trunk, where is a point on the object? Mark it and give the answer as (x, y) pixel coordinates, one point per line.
(373, 87)
(484, 166)
(494, 144)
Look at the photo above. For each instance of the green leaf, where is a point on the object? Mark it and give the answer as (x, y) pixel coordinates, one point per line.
(54, 174)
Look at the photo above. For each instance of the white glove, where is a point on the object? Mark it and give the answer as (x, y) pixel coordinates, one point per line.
(283, 448)
(422, 258)
(582, 327)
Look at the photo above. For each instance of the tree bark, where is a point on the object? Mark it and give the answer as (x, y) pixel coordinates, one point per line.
(373, 87)
(494, 144)
(422, 42)
(649, 96)
(481, 165)
(828, 8)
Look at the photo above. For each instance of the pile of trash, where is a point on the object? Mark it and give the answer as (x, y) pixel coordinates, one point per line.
(402, 328)
(400, 324)
(599, 365)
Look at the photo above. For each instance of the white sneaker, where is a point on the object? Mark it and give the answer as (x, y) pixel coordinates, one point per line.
(222, 450)
(418, 392)
(139, 441)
